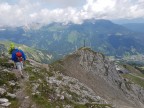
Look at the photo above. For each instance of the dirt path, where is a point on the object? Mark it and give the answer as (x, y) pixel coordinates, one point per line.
(21, 94)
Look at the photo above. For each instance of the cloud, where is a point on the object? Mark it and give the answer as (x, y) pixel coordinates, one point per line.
(64, 3)
(115, 9)
(22, 12)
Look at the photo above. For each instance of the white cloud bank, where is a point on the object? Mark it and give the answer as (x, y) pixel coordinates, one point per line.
(44, 11)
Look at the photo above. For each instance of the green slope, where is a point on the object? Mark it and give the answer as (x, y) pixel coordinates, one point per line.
(37, 55)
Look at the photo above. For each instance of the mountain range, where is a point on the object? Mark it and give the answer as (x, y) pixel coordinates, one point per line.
(61, 39)
(137, 27)
(83, 77)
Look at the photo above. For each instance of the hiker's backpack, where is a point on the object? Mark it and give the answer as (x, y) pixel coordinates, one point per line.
(19, 56)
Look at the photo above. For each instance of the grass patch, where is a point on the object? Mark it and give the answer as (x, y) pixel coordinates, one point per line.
(42, 102)
(50, 74)
(14, 104)
(134, 79)
(138, 71)
(73, 94)
(130, 68)
(98, 105)
(32, 78)
(59, 78)
(4, 63)
(28, 69)
(7, 65)
(141, 69)
(6, 76)
(3, 60)
(89, 105)
(80, 106)
(57, 66)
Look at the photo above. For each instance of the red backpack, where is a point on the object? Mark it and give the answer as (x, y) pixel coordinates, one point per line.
(19, 56)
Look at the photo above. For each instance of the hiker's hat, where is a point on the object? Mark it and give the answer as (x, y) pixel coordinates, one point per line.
(12, 46)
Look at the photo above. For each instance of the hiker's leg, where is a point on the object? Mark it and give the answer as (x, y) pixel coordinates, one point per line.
(22, 65)
(15, 66)
(19, 67)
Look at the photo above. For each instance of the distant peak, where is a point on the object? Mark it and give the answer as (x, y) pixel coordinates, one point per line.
(84, 52)
(97, 21)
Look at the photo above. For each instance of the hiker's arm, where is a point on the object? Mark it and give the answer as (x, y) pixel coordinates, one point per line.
(24, 56)
(13, 57)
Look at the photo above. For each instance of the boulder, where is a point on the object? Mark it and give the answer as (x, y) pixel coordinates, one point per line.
(11, 95)
(6, 104)
(3, 100)
(2, 91)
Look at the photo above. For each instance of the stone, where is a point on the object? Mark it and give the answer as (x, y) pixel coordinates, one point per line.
(57, 107)
(3, 100)
(11, 95)
(5, 70)
(62, 97)
(2, 91)
(37, 92)
(35, 86)
(26, 97)
(33, 94)
(6, 104)
(11, 83)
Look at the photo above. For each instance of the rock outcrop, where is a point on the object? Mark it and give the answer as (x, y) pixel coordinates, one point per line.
(100, 74)
(44, 85)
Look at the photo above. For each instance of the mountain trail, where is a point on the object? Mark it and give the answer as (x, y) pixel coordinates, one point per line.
(21, 94)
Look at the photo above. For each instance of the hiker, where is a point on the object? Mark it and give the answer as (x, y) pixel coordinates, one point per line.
(18, 57)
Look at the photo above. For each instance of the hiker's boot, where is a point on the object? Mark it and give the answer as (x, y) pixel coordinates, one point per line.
(22, 76)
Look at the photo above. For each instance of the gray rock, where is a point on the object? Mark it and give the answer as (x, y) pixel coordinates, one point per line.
(26, 97)
(6, 70)
(11, 95)
(3, 100)
(12, 83)
(67, 106)
(35, 87)
(62, 97)
(6, 104)
(70, 87)
(2, 91)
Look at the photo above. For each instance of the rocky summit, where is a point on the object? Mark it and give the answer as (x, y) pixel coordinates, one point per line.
(83, 79)
(104, 78)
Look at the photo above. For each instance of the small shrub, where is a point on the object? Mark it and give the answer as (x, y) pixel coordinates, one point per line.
(6, 76)
(50, 74)
(14, 104)
(59, 78)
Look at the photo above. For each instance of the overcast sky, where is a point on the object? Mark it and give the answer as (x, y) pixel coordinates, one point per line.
(22, 12)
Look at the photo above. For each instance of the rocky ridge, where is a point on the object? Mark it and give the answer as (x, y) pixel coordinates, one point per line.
(84, 79)
(44, 87)
(100, 74)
